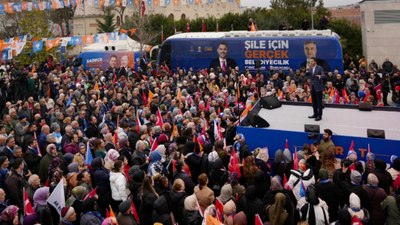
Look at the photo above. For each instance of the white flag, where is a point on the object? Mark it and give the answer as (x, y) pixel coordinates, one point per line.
(57, 197)
(65, 40)
(10, 54)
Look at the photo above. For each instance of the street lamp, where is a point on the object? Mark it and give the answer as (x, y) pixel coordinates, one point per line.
(312, 16)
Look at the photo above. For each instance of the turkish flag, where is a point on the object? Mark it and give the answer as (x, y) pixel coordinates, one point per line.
(159, 121)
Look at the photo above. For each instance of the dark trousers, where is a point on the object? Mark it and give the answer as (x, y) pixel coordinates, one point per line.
(316, 97)
(384, 99)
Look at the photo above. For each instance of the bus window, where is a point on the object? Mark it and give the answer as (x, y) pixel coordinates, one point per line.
(165, 54)
(78, 62)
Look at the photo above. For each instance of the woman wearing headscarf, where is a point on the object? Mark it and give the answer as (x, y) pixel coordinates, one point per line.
(277, 213)
(282, 164)
(155, 165)
(40, 205)
(10, 216)
(226, 193)
(46, 161)
(375, 196)
(355, 210)
(230, 215)
(314, 211)
(34, 184)
(111, 157)
(238, 190)
(276, 187)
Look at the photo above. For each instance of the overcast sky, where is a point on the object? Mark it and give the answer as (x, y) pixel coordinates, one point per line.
(327, 3)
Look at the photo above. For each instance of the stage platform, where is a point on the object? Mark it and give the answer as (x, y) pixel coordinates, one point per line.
(342, 121)
(347, 123)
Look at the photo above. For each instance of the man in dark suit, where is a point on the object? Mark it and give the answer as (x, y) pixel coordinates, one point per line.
(310, 50)
(316, 75)
(222, 62)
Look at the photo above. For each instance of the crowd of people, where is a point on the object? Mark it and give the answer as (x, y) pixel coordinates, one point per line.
(164, 149)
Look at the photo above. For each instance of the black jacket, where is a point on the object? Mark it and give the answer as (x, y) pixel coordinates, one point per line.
(177, 201)
(32, 159)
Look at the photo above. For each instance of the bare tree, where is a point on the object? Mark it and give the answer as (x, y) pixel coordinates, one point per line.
(120, 10)
(63, 16)
(144, 31)
(10, 25)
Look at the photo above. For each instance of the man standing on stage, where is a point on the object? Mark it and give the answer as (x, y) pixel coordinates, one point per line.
(316, 75)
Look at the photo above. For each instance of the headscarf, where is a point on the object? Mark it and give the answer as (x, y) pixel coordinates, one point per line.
(277, 212)
(263, 154)
(226, 193)
(355, 206)
(40, 196)
(276, 183)
(9, 213)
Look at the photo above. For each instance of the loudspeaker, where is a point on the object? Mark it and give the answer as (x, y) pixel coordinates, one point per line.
(364, 106)
(256, 121)
(374, 133)
(257, 64)
(270, 102)
(311, 128)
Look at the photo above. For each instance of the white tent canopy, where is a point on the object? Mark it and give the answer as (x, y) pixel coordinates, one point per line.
(119, 45)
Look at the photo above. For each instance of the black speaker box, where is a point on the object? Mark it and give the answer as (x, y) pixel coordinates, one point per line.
(364, 106)
(311, 128)
(270, 102)
(374, 133)
(256, 121)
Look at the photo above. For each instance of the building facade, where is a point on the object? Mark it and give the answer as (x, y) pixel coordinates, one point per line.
(84, 21)
(380, 25)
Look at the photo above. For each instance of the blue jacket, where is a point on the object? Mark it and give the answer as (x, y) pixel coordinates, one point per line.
(316, 83)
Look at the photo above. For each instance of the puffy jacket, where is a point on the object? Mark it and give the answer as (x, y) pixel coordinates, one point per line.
(297, 178)
(118, 185)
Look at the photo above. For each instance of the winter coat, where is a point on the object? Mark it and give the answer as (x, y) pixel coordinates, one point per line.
(205, 197)
(328, 192)
(43, 169)
(189, 184)
(251, 205)
(14, 188)
(375, 196)
(384, 177)
(44, 214)
(297, 178)
(101, 178)
(389, 205)
(126, 219)
(177, 201)
(91, 218)
(161, 211)
(32, 159)
(146, 208)
(118, 185)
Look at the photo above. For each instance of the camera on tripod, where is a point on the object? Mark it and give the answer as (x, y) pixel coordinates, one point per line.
(314, 136)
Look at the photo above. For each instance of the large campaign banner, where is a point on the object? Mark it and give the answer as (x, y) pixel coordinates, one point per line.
(275, 139)
(104, 60)
(280, 53)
